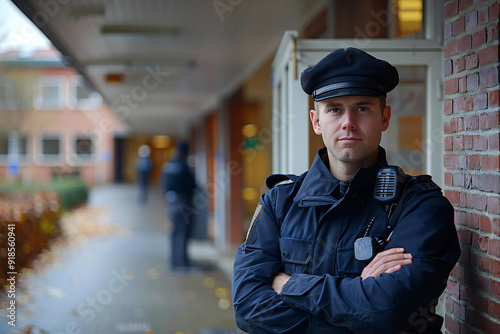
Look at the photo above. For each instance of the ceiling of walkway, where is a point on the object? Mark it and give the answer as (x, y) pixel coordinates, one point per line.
(162, 64)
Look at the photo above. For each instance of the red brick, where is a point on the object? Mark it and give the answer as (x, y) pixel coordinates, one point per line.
(494, 98)
(480, 101)
(450, 48)
(479, 143)
(458, 143)
(483, 15)
(460, 218)
(448, 144)
(464, 4)
(448, 67)
(479, 38)
(490, 162)
(493, 142)
(462, 161)
(495, 225)
(458, 273)
(474, 160)
(494, 247)
(453, 125)
(471, 122)
(459, 310)
(459, 26)
(458, 65)
(450, 125)
(493, 205)
(489, 55)
(452, 196)
(495, 269)
(492, 32)
(484, 121)
(495, 288)
(460, 124)
(464, 43)
(471, 61)
(450, 9)
(494, 119)
(452, 325)
(448, 179)
(488, 77)
(463, 200)
(448, 30)
(453, 289)
(450, 161)
(494, 12)
(494, 310)
(472, 82)
(485, 224)
(478, 301)
(451, 86)
(472, 218)
(465, 238)
(462, 84)
(459, 180)
(468, 143)
(448, 106)
(489, 183)
(481, 262)
(471, 19)
(462, 104)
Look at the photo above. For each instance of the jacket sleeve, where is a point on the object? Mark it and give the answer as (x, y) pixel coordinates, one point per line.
(394, 302)
(258, 308)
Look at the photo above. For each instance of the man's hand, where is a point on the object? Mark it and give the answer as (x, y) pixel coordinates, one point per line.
(387, 261)
(279, 280)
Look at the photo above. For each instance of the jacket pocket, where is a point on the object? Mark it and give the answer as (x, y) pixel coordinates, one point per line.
(347, 264)
(295, 255)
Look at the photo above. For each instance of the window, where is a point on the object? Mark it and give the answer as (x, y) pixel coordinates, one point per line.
(84, 97)
(50, 147)
(84, 147)
(13, 143)
(50, 93)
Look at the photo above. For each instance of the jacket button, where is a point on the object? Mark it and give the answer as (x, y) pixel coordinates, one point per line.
(286, 255)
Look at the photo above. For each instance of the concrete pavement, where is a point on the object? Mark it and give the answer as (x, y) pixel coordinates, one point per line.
(119, 281)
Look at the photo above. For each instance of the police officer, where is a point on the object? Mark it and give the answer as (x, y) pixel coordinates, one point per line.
(143, 166)
(178, 184)
(322, 253)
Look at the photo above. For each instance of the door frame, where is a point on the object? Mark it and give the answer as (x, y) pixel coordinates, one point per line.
(291, 104)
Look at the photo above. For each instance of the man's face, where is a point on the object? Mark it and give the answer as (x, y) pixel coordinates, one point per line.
(351, 128)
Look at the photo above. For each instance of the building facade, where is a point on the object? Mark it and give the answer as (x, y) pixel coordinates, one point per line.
(53, 124)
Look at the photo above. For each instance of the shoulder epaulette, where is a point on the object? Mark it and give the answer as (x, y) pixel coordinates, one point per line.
(425, 183)
(280, 179)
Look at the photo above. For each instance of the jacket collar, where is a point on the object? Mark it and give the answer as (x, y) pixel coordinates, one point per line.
(319, 183)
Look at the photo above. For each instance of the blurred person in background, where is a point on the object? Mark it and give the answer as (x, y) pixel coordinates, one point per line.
(178, 184)
(143, 166)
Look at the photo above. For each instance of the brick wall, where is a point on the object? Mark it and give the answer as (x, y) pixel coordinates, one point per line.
(471, 159)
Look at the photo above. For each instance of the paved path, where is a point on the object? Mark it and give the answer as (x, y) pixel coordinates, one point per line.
(119, 282)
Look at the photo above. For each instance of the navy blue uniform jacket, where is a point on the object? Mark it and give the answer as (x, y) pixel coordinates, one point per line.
(304, 230)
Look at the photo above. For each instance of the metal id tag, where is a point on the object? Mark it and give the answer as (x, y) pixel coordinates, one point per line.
(364, 248)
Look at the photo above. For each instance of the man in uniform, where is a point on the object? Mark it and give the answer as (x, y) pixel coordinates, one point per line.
(178, 184)
(325, 252)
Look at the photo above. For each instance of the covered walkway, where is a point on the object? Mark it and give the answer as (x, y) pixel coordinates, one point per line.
(112, 276)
